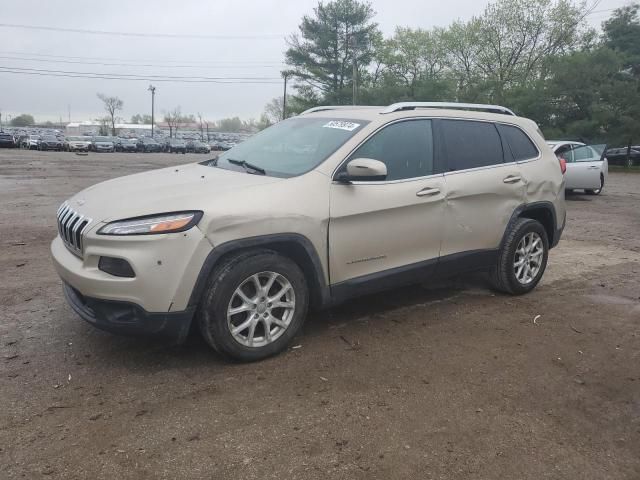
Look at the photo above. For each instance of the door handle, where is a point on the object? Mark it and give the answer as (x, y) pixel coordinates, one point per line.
(593, 167)
(427, 192)
(512, 179)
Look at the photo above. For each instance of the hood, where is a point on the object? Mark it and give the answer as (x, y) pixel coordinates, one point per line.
(104, 144)
(185, 187)
(79, 142)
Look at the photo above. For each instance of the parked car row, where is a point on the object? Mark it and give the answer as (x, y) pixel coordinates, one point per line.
(618, 156)
(103, 144)
(185, 141)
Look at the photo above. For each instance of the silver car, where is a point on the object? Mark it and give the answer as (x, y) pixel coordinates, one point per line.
(587, 166)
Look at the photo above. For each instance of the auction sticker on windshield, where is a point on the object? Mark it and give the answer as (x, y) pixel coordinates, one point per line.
(348, 126)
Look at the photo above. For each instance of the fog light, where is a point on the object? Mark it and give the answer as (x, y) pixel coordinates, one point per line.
(116, 267)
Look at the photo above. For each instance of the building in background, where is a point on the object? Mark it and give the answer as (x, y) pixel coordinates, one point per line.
(91, 127)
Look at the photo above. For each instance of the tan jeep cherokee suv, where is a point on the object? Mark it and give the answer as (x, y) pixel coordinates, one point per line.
(335, 203)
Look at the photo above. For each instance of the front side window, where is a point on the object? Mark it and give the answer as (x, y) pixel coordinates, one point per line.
(522, 148)
(291, 147)
(471, 144)
(406, 148)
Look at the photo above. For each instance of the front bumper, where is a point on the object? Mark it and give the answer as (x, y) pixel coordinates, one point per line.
(78, 148)
(166, 268)
(125, 318)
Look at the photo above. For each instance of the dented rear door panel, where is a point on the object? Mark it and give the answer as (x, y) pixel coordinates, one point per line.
(479, 205)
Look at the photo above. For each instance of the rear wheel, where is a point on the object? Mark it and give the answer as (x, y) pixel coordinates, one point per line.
(597, 191)
(255, 304)
(522, 259)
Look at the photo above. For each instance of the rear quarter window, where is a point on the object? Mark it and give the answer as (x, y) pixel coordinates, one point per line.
(521, 146)
(471, 144)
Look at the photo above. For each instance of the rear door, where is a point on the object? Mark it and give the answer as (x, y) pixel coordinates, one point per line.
(483, 190)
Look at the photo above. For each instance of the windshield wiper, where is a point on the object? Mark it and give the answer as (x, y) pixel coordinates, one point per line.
(247, 166)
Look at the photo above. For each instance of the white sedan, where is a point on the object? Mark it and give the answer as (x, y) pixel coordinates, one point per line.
(587, 166)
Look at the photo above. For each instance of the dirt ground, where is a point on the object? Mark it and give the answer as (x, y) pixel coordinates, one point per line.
(440, 381)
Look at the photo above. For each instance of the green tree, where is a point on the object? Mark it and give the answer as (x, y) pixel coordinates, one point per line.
(230, 125)
(23, 120)
(412, 65)
(263, 122)
(141, 119)
(112, 106)
(511, 43)
(622, 34)
(322, 55)
(416, 56)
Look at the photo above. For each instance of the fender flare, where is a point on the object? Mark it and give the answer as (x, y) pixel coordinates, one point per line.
(317, 281)
(525, 207)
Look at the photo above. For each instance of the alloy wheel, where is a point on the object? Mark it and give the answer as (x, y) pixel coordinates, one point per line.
(528, 258)
(261, 309)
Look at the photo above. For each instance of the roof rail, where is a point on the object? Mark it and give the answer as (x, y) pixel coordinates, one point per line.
(396, 107)
(336, 107)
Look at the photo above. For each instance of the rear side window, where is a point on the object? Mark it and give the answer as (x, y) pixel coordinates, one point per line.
(565, 152)
(522, 148)
(471, 144)
(406, 148)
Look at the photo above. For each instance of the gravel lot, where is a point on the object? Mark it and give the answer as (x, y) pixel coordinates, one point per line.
(433, 382)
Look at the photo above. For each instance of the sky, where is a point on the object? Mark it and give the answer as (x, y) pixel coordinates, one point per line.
(226, 41)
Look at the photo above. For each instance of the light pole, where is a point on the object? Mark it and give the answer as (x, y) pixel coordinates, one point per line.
(152, 89)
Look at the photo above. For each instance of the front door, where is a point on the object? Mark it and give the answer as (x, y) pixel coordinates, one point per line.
(584, 165)
(389, 229)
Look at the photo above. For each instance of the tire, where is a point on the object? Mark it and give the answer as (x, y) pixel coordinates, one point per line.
(221, 294)
(504, 275)
(597, 191)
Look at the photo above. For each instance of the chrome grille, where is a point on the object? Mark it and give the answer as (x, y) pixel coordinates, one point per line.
(71, 226)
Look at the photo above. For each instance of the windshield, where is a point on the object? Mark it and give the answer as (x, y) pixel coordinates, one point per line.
(101, 139)
(49, 138)
(76, 139)
(291, 147)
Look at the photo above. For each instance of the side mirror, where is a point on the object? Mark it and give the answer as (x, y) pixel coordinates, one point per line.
(363, 169)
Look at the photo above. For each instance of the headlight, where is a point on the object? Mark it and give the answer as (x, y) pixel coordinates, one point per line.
(153, 224)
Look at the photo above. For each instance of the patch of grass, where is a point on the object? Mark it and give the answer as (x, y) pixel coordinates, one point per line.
(619, 169)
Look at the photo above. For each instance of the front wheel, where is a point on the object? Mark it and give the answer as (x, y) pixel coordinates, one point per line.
(522, 259)
(255, 304)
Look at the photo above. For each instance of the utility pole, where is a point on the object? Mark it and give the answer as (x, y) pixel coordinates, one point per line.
(354, 46)
(152, 89)
(285, 75)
